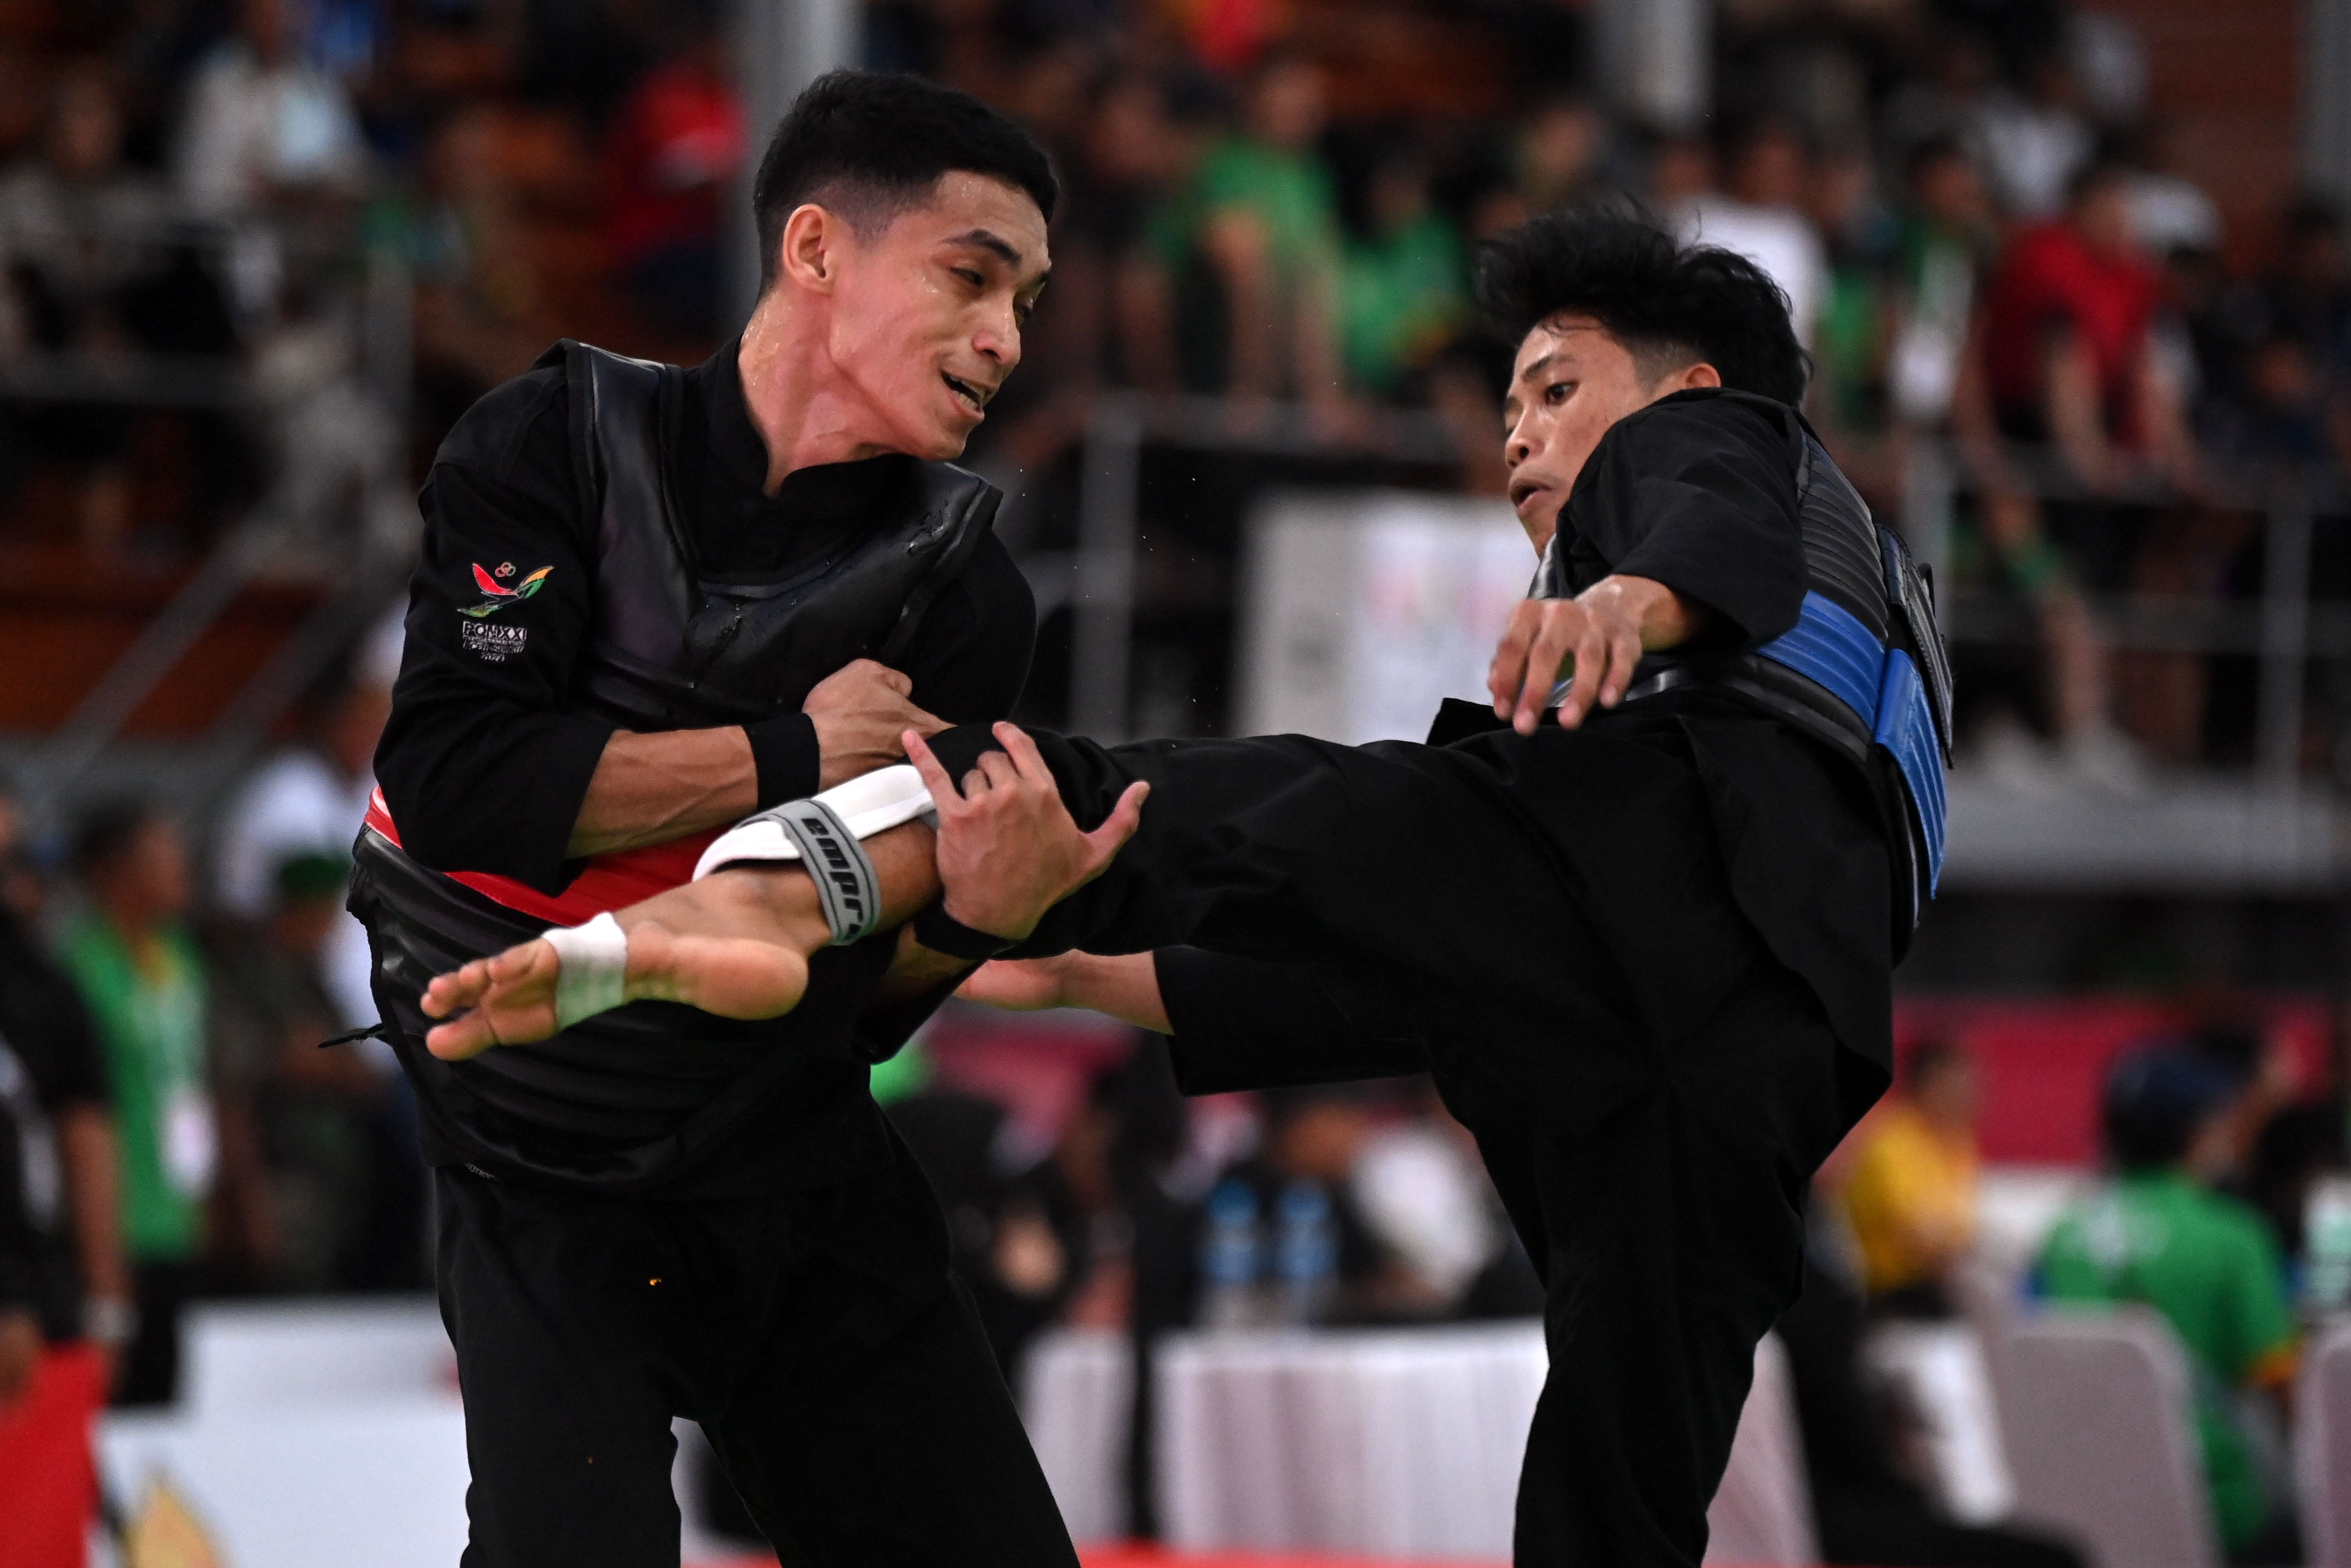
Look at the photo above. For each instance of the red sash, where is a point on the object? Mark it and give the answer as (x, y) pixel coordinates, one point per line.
(608, 881)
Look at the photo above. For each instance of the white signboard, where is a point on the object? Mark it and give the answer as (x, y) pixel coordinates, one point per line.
(1364, 610)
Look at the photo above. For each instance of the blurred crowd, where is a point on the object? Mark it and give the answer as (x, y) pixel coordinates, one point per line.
(2215, 1208)
(2036, 339)
(178, 1130)
(2014, 298)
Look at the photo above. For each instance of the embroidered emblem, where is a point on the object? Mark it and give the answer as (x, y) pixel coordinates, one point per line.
(501, 596)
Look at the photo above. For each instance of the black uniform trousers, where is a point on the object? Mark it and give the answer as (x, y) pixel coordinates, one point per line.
(818, 1337)
(1548, 918)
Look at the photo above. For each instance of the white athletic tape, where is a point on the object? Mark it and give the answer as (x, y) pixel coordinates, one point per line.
(594, 977)
(868, 804)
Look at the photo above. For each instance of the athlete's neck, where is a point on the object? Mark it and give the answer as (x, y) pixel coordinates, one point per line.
(806, 411)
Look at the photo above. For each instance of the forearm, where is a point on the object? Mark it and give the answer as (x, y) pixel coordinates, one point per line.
(1235, 248)
(1146, 330)
(1321, 377)
(2076, 423)
(1124, 985)
(649, 789)
(2168, 436)
(85, 1143)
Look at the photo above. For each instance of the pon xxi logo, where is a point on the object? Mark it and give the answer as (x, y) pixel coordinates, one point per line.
(501, 596)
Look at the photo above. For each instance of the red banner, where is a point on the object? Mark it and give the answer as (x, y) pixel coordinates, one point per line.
(2044, 1061)
(49, 1481)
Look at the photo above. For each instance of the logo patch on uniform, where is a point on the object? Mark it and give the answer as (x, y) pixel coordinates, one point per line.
(501, 596)
(494, 642)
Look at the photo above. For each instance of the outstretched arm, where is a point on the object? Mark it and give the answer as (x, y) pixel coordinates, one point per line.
(1123, 986)
(1233, 1023)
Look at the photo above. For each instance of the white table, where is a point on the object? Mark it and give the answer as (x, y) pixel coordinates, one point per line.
(315, 1432)
(1401, 1443)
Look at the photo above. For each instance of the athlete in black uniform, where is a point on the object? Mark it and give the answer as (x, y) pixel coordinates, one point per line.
(654, 600)
(1646, 950)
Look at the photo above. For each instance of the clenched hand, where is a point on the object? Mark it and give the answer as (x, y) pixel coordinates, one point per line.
(859, 711)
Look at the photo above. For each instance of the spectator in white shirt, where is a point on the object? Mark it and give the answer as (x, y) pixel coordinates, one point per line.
(2034, 145)
(308, 799)
(261, 124)
(2169, 213)
(1759, 217)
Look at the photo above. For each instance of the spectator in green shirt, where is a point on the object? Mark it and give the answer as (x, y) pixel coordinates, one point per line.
(1262, 213)
(2156, 1234)
(1403, 288)
(140, 975)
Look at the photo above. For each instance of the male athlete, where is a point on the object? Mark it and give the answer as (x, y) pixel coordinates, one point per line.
(1645, 950)
(653, 600)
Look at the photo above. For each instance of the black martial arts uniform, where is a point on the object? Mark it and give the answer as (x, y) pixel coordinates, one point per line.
(1648, 962)
(662, 1213)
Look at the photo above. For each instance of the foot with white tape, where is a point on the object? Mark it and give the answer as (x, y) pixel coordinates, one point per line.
(524, 994)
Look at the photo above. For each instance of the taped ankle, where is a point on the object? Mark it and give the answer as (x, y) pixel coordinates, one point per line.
(868, 804)
(846, 887)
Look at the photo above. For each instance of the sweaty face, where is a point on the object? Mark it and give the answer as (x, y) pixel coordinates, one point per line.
(1572, 380)
(927, 312)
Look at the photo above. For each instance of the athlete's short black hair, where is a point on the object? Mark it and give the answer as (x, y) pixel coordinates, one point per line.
(1668, 304)
(873, 143)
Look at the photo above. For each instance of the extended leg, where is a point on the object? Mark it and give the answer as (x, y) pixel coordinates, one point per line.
(1281, 847)
(735, 943)
(1667, 1220)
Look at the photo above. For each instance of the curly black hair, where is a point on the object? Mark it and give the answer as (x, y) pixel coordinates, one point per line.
(1668, 304)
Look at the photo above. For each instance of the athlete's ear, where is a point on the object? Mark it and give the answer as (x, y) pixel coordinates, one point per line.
(1697, 375)
(811, 248)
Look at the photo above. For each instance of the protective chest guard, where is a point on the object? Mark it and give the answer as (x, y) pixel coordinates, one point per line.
(1865, 669)
(624, 1100)
(671, 650)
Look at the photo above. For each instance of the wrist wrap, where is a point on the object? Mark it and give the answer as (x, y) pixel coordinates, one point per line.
(942, 933)
(595, 968)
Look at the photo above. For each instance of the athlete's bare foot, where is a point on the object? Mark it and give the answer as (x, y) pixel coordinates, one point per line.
(508, 998)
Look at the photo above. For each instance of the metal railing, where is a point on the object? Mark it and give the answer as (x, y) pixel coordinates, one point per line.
(376, 540)
(2283, 628)
(1103, 570)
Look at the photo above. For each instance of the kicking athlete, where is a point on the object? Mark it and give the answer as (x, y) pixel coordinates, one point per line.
(1645, 950)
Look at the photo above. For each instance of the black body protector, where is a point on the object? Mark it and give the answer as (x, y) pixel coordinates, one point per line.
(1865, 670)
(654, 1083)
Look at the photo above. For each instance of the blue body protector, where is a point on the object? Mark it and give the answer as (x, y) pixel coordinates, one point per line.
(1864, 669)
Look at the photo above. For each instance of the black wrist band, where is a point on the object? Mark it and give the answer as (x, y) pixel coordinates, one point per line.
(785, 755)
(942, 933)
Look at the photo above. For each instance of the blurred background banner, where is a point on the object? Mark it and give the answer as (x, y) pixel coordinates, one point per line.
(2075, 280)
(1366, 612)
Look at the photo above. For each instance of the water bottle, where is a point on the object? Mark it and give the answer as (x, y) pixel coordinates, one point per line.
(1228, 1258)
(1306, 1253)
(2326, 1233)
